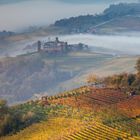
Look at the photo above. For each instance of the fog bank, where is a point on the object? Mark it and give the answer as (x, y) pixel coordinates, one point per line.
(125, 44)
(43, 12)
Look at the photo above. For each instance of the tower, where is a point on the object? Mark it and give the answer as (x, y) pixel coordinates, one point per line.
(57, 40)
(39, 46)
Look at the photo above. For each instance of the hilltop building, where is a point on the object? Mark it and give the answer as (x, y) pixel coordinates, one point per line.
(55, 46)
(39, 46)
(59, 47)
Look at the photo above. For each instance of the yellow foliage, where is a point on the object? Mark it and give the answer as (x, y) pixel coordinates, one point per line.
(53, 129)
(98, 131)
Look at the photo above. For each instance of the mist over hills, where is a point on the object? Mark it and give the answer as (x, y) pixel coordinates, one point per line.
(37, 73)
(78, 78)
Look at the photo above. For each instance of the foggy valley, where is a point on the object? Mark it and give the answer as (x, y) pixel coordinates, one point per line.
(69, 69)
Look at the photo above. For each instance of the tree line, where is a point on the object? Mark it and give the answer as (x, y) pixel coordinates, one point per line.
(85, 22)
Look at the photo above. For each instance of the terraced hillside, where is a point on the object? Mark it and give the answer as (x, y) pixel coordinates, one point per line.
(86, 113)
(90, 97)
(100, 132)
(131, 106)
(103, 99)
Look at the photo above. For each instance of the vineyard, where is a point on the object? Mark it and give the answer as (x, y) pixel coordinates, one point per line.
(131, 106)
(88, 97)
(101, 99)
(86, 113)
(100, 132)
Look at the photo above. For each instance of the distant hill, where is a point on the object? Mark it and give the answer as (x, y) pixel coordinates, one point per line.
(129, 24)
(31, 75)
(20, 80)
(84, 113)
(87, 22)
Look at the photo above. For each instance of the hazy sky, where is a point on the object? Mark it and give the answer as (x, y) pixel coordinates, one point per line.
(18, 14)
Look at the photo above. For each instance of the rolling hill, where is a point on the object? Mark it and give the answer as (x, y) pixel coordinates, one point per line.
(126, 24)
(32, 75)
(115, 14)
(49, 97)
(84, 113)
